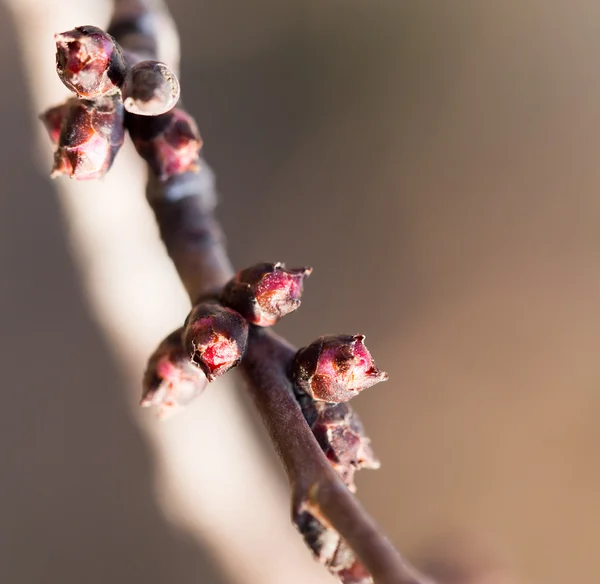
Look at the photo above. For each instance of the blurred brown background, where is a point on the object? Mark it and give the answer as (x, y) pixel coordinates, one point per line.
(436, 162)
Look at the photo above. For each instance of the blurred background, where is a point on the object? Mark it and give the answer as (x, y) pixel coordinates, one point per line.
(436, 163)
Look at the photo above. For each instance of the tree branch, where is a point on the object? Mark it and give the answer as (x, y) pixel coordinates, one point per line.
(184, 205)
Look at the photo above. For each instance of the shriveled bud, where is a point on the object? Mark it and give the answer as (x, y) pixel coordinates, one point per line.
(336, 368)
(215, 338)
(169, 143)
(91, 134)
(53, 118)
(331, 550)
(89, 61)
(347, 568)
(265, 292)
(150, 89)
(171, 381)
(321, 540)
(341, 435)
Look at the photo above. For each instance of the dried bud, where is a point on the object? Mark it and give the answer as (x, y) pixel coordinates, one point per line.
(341, 435)
(265, 292)
(215, 338)
(91, 135)
(89, 61)
(336, 368)
(171, 380)
(321, 540)
(331, 550)
(150, 89)
(53, 118)
(169, 143)
(347, 568)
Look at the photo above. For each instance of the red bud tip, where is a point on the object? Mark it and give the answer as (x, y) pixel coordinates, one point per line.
(89, 61)
(215, 338)
(169, 143)
(336, 368)
(91, 134)
(150, 89)
(264, 293)
(171, 381)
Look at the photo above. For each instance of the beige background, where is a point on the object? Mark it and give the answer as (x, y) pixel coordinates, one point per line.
(436, 162)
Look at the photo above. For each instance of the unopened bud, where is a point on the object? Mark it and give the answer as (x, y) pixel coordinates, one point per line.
(150, 89)
(264, 293)
(171, 381)
(90, 137)
(89, 61)
(215, 338)
(336, 368)
(169, 143)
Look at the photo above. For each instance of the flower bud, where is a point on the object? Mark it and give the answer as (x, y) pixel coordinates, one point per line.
(169, 143)
(336, 368)
(150, 89)
(89, 61)
(91, 134)
(264, 293)
(171, 381)
(215, 338)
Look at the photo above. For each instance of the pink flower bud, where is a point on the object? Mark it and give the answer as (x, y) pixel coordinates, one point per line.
(169, 143)
(336, 368)
(89, 61)
(171, 381)
(91, 134)
(264, 293)
(215, 337)
(150, 89)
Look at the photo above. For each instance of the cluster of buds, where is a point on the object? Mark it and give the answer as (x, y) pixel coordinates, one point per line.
(88, 130)
(214, 336)
(331, 550)
(326, 374)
